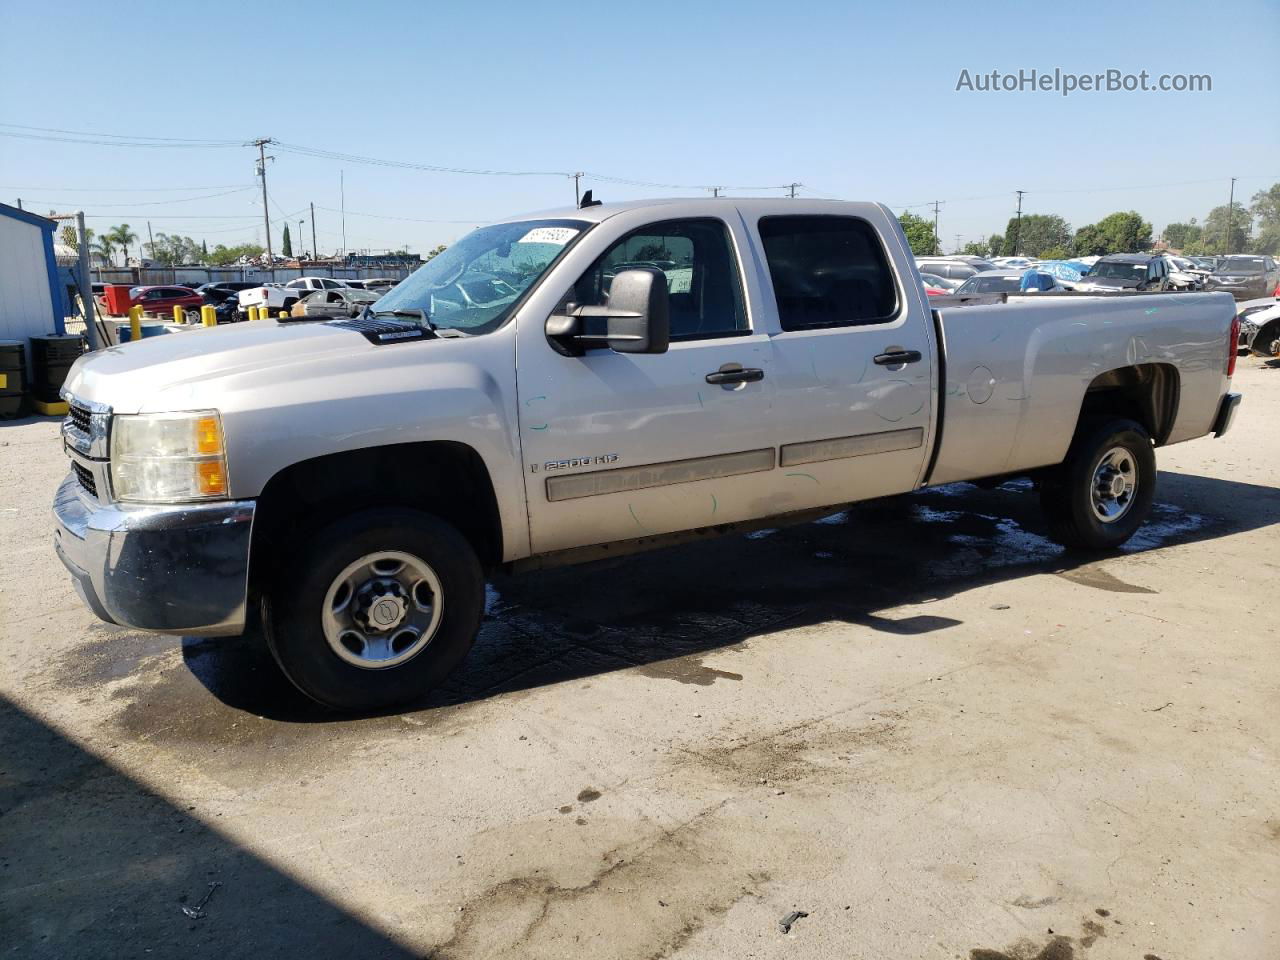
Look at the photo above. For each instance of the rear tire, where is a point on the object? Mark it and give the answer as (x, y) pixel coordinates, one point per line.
(1100, 495)
(374, 610)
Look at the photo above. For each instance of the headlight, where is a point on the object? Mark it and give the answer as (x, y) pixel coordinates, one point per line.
(168, 457)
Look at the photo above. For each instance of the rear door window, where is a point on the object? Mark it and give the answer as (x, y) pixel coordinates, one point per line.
(828, 272)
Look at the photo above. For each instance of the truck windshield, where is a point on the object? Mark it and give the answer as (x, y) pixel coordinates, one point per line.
(473, 285)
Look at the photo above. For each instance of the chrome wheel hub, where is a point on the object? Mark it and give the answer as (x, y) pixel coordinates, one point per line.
(382, 610)
(1115, 482)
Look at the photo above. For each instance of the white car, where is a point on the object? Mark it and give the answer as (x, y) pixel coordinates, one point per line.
(1184, 274)
(275, 297)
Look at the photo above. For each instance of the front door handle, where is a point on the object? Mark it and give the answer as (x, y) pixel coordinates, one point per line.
(898, 357)
(740, 375)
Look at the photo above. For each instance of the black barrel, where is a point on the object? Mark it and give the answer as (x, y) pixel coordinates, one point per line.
(51, 357)
(13, 376)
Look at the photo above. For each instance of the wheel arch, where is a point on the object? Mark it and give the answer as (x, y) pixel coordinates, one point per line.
(445, 478)
(1147, 393)
(1269, 332)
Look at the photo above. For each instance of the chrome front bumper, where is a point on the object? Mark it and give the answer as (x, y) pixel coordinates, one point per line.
(180, 569)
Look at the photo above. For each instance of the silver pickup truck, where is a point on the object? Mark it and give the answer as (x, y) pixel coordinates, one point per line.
(581, 383)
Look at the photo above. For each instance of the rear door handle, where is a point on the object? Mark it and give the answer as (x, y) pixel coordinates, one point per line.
(897, 357)
(741, 375)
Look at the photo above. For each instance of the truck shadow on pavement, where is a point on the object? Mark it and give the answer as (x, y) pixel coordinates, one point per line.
(657, 612)
(95, 864)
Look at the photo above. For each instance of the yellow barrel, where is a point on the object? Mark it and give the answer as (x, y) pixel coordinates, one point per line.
(208, 316)
(135, 322)
(284, 314)
(179, 315)
(253, 313)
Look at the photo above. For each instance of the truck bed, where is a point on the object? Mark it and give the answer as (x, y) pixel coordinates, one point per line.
(1015, 370)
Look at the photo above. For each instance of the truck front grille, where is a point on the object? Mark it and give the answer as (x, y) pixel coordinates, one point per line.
(85, 477)
(79, 417)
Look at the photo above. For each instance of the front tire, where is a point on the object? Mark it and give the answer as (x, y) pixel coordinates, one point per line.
(375, 610)
(1100, 495)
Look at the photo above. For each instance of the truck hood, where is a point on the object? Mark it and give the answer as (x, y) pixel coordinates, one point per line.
(132, 377)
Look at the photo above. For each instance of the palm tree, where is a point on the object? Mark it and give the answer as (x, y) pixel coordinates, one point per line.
(105, 248)
(123, 236)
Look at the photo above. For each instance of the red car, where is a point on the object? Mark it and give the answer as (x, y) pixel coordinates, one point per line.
(162, 300)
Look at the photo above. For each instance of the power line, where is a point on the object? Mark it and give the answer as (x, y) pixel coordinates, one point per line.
(211, 186)
(408, 164)
(116, 143)
(124, 136)
(142, 203)
(383, 216)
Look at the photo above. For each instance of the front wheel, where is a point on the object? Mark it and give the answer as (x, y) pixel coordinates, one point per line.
(375, 610)
(1102, 492)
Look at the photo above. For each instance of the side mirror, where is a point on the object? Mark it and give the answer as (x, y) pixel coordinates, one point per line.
(637, 318)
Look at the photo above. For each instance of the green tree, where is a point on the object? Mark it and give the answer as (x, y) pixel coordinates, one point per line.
(105, 248)
(286, 243)
(1037, 233)
(1055, 253)
(122, 236)
(1121, 232)
(919, 233)
(975, 248)
(1266, 208)
(1180, 236)
(204, 248)
(435, 252)
(1227, 230)
(222, 256)
(995, 243)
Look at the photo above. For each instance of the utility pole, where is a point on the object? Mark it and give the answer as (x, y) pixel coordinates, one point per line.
(300, 223)
(577, 194)
(91, 327)
(791, 189)
(342, 196)
(715, 191)
(936, 204)
(1231, 209)
(151, 241)
(19, 203)
(1017, 229)
(315, 250)
(957, 243)
(261, 144)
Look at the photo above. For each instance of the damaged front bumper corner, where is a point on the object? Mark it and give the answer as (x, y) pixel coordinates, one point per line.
(181, 568)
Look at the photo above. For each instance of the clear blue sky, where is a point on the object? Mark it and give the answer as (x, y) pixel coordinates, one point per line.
(854, 100)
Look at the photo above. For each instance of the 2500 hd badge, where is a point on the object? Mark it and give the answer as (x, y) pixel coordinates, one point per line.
(604, 458)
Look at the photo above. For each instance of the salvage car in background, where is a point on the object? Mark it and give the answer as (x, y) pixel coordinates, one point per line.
(162, 300)
(1118, 272)
(1003, 281)
(327, 304)
(1245, 277)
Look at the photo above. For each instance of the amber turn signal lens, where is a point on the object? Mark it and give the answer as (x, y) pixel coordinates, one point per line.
(213, 479)
(208, 435)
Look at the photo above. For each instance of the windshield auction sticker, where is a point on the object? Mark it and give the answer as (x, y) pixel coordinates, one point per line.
(557, 235)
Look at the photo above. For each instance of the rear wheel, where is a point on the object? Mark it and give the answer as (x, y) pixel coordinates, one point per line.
(1102, 492)
(375, 610)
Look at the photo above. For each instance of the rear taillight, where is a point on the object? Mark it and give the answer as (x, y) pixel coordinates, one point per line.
(1233, 345)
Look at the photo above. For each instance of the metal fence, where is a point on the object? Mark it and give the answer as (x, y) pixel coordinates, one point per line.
(195, 276)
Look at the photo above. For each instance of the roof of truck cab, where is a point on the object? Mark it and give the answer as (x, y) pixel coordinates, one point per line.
(691, 205)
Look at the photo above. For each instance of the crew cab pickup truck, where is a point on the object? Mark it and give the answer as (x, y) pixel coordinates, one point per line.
(561, 387)
(276, 298)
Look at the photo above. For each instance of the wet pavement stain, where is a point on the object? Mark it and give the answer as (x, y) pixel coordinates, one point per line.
(589, 795)
(1099, 579)
(687, 670)
(1059, 948)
